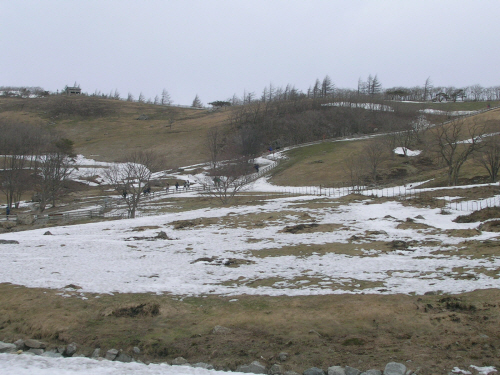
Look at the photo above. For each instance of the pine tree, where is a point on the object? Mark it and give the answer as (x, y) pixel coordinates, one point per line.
(196, 102)
(165, 98)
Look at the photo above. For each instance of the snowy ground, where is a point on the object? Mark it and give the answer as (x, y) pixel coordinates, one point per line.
(244, 250)
(35, 365)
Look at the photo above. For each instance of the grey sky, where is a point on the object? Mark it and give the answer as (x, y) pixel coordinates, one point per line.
(215, 48)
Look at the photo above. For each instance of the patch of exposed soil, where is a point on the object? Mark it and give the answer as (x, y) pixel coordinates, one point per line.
(311, 228)
(481, 215)
(490, 226)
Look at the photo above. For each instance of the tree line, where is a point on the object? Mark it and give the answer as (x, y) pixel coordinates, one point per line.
(34, 158)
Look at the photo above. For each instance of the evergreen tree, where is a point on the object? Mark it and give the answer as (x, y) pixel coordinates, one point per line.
(196, 102)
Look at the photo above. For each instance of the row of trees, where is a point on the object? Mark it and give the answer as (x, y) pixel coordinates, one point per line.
(449, 145)
(33, 159)
(368, 89)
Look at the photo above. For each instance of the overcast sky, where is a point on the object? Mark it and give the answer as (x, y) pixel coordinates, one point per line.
(215, 48)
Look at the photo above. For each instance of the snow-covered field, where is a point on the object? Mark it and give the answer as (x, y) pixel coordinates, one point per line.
(35, 365)
(244, 250)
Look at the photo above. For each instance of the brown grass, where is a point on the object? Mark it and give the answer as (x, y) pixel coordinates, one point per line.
(363, 331)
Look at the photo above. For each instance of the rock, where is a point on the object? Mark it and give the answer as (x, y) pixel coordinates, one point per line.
(351, 371)
(255, 368)
(9, 242)
(399, 245)
(283, 356)
(204, 365)
(276, 369)
(36, 351)
(47, 233)
(19, 344)
(95, 353)
(7, 348)
(143, 117)
(394, 368)
(52, 355)
(122, 357)
(372, 372)
(70, 349)
(220, 330)
(136, 350)
(291, 373)
(314, 371)
(162, 236)
(179, 361)
(336, 370)
(34, 344)
(111, 354)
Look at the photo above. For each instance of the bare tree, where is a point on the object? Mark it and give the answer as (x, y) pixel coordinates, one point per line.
(20, 144)
(54, 167)
(374, 156)
(215, 143)
(489, 156)
(455, 142)
(354, 166)
(133, 176)
(229, 178)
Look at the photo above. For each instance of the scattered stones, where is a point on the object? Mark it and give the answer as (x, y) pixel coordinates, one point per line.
(35, 347)
(7, 348)
(70, 350)
(314, 371)
(122, 357)
(179, 361)
(351, 371)
(19, 344)
(336, 370)
(204, 365)
(276, 370)
(111, 354)
(394, 368)
(34, 344)
(255, 368)
(36, 351)
(220, 330)
(283, 356)
(95, 353)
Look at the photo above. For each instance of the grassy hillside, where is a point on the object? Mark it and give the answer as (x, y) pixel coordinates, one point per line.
(325, 163)
(113, 128)
(106, 129)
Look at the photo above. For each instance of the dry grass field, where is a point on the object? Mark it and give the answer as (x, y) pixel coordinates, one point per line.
(432, 332)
